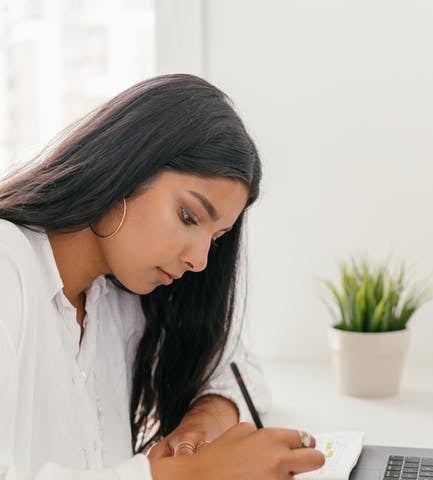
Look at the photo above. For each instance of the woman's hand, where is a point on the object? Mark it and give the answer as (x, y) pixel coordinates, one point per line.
(243, 453)
(208, 418)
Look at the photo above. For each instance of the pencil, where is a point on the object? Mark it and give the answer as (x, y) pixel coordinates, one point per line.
(246, 395)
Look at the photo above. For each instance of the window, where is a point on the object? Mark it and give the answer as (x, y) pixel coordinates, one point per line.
(61, 58)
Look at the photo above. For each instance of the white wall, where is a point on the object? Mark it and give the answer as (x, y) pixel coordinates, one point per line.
(339, 97)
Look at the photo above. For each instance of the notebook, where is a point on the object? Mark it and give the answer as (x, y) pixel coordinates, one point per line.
(341, 450)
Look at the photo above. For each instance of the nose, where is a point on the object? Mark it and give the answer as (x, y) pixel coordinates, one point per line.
(195, 256)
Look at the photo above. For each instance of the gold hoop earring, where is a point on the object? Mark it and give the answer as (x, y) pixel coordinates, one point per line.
(111, 235)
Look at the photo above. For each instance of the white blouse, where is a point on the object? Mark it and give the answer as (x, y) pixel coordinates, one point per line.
(64, 406)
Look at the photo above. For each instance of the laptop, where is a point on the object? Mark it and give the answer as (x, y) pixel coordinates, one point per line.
(393, 463)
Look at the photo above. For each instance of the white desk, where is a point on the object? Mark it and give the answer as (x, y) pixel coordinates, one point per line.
(305, 396)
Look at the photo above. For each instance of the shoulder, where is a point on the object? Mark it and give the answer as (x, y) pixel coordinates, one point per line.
(11, 234)
(20, 262)
(14, 245)
(17, 262)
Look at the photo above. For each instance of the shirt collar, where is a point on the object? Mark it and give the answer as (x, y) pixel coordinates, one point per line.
(97, 289)
(54, 283)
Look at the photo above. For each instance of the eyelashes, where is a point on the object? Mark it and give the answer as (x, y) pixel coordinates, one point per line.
(188, 219)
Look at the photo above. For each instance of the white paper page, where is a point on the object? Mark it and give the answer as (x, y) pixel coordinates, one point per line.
(341, 450)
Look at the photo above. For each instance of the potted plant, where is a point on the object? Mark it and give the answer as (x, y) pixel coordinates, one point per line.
(370, 337)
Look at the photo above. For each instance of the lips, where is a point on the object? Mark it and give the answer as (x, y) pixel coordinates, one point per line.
(171, 275)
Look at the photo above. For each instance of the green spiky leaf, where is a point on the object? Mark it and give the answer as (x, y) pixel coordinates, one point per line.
(370, 299)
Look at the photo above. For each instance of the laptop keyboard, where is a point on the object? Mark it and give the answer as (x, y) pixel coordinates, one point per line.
(409, 468)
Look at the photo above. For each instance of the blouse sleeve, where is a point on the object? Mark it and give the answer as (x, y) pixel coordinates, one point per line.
(136, 468)
(10, 333)
(12, 327)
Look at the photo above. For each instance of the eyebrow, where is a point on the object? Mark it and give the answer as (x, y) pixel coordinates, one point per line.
(210, 209)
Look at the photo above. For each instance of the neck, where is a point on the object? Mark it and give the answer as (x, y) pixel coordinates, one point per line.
(79, 261)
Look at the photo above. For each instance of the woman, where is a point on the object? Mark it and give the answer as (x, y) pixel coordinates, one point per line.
(118, 253)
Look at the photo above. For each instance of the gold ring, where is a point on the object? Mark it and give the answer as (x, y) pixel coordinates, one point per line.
(305, 439)
(185, 445)
(200, 444)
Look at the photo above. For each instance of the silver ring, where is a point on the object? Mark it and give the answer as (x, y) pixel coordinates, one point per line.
(305, 439)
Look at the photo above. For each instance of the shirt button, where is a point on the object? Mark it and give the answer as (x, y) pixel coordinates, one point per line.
(84, 374)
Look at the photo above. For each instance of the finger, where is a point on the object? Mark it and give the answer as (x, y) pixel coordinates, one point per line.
(235, 433)
(291, 438)
(184, 448)
(305, 459)
(238, 431)
(160, 450)
(201, 445)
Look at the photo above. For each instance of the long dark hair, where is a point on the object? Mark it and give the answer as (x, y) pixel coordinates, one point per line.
(173, 122)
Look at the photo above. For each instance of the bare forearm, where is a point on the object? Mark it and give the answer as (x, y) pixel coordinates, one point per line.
(223, 410)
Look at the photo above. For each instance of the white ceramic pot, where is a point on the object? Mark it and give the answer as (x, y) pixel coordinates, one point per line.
(368, 364)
